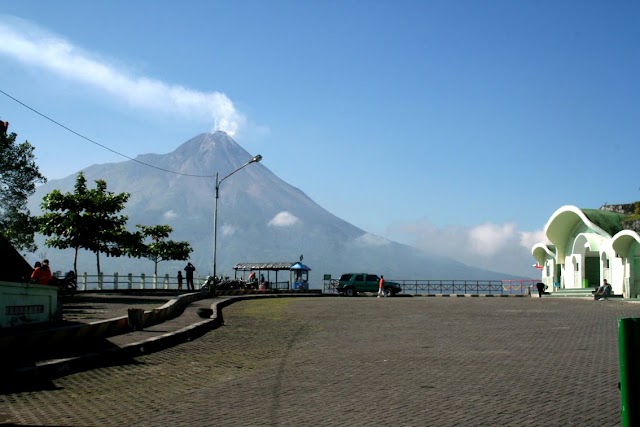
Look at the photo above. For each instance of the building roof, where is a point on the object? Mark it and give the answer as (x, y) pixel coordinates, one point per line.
(15, 267)
(611, 222)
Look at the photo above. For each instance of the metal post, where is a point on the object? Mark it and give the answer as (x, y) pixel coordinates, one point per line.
(215, 229)
(255, 159)
(629, 349)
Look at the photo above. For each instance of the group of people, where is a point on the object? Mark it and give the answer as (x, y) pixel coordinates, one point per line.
(41, 273)
(253, 279)
(189, 269)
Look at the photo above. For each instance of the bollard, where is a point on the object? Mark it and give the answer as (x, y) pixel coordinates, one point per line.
(136, 318)
(629, 349)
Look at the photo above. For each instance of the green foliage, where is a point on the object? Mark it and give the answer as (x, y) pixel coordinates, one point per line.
(87, 219)
(631, 219)
(160, 249)
(18, 177)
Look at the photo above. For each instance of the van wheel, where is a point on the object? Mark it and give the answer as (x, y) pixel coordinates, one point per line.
(388, 292)
(350, 292)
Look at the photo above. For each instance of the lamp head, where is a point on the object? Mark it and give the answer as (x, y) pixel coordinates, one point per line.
(256, 159)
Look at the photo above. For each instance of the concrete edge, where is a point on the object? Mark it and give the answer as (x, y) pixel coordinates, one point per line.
(57, 368)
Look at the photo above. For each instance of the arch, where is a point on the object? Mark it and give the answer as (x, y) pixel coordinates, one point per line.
(584, 241)
(625, 244)
(541, 252)
(562, 223)
(623, 241)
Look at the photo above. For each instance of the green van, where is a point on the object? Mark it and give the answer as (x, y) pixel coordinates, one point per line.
(352, 283)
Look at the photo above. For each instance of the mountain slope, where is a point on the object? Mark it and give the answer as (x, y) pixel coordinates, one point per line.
(260, 219)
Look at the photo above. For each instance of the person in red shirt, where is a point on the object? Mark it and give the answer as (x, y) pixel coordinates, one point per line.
(42, 274)
(381, 287)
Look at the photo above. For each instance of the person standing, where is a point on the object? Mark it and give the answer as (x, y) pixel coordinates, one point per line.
(540, 287)
(381, 287)
(179, 280)
(190, 269)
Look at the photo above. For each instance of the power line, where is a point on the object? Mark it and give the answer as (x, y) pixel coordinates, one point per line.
(97, 143)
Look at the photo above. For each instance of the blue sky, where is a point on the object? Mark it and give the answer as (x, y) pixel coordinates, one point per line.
(455, 126)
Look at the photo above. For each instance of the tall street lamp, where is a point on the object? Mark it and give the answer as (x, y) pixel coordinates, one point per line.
(215, 221)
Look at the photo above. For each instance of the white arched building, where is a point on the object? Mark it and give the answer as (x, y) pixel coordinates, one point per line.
(588, 246)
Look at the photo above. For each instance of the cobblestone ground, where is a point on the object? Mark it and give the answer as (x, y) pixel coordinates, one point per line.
(361, 362)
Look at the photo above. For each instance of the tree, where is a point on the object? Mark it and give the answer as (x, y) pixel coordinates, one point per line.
(110, 235)
(19, 175)
(87, 219)
(161, 249)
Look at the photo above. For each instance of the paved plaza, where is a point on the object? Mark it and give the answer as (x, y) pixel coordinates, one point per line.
(421, 361)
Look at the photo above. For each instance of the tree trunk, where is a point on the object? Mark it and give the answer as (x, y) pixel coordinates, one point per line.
(75, 262)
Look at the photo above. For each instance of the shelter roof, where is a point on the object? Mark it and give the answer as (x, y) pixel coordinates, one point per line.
(300, 266)
(272, 266)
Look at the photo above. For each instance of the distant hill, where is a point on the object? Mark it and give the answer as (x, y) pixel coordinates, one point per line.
(261, 218)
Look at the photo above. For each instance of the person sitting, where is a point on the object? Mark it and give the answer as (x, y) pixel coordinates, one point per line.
(42, 274)
(603, 291)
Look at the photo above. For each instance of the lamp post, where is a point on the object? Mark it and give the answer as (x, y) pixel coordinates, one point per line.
(215, 215)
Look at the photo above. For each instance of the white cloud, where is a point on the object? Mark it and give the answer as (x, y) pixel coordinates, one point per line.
(283, 219)
(170, 214)
(488, 239)
(369, 239)
(33, 46)
(530, 238)
(496, 247)
(229, 230)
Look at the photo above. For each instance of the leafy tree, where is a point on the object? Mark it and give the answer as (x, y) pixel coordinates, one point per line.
(19, 175)
(87, 219)
(161, 249)
(110, 235)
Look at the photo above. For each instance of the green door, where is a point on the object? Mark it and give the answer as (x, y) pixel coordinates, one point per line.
(591, 272)
(372, 283)
(360, 283)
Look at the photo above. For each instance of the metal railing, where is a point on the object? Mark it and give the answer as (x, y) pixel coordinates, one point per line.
(129, 281)
(116, 281)
(456, 287)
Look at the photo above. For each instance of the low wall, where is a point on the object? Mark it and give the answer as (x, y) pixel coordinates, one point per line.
(27, 303)
(70, 335)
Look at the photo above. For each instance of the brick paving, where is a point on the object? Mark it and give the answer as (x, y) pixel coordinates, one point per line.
(360, 362)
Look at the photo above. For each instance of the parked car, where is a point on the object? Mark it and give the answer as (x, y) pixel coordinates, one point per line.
(352, 283)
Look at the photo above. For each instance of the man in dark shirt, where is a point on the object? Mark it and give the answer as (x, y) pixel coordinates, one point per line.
(190, 269)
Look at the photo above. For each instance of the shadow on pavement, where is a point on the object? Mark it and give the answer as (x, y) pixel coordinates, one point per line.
(22, 372)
